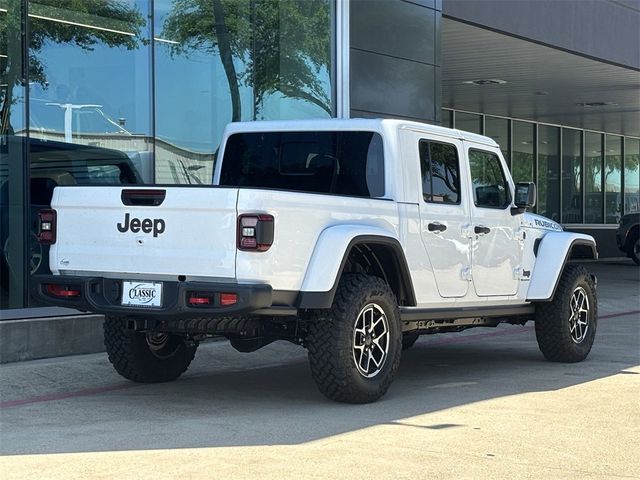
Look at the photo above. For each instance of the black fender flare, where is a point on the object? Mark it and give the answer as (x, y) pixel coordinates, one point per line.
(322, 300)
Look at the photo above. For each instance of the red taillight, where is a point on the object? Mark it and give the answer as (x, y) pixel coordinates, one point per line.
(227, 299)
(62, 291)
(47, 220)
(255, 232)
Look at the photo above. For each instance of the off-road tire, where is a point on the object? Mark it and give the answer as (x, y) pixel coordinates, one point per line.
(132, 357)
(331, 335)
(409, 339)
(552, 324)
(634, 249)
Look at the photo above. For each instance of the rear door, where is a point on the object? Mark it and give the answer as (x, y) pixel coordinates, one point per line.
(444, 213)
(145, 232)
(496, 245)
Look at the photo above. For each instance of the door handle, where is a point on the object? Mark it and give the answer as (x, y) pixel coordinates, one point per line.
(436, 227)
(481, 230)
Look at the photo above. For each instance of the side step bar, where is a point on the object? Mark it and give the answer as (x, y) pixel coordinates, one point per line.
(439, 320)
(413, 314)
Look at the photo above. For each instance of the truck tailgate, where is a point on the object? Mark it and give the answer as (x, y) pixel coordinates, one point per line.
(192, 231)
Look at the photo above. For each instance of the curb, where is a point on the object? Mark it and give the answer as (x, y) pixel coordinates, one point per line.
(30, 339)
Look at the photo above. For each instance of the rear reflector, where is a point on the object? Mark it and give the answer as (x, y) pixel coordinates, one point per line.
(200, 301)
(47, 223)
(255, 232)
(203, 299)
(227, 299)
(63, 291)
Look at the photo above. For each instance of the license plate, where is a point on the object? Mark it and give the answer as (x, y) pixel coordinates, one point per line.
(142, 294)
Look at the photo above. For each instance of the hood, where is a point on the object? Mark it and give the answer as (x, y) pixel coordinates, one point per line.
(541, 223)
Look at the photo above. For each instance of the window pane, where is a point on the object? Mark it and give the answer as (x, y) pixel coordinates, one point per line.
(490, 187)
(198, 87)
(571, 176)
(498, 129)
(548, 183)
(14, 248)
(291, 59)
(220, 62)
(90, 84)
(523, 152)
(593, 178)
(90, 106)
(469, 122)
(440, 172)
(632, 175)
(345, 163)
(612, 179)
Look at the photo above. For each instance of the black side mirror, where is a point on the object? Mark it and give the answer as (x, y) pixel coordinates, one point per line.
(525, 197)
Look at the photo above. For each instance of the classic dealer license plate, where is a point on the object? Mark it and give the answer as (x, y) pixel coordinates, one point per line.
(142, 294)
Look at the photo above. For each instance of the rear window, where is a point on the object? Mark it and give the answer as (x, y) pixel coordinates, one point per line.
(342, 163)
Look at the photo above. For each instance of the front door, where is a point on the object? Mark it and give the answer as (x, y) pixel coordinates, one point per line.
(496, 241)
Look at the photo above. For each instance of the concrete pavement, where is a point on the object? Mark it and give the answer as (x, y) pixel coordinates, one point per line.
(479, 404)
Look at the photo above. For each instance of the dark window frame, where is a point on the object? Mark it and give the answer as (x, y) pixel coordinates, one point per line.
(509, 198)
(429, 142)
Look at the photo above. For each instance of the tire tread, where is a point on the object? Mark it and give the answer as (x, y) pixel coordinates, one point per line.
(129, 358)
(331, 366)
(553, 338)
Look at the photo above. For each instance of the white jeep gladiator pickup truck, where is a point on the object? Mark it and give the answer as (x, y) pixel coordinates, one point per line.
(348, 237)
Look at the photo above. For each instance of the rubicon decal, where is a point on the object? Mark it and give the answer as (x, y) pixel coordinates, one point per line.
(547, 224)
(145, 225)
(142, 294)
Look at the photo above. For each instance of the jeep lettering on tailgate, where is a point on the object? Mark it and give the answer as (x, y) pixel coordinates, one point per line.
(146, 225)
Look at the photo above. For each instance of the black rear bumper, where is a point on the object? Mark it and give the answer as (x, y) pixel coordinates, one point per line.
(104, 295)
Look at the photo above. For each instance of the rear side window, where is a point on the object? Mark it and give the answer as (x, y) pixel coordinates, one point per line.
(343, 163)
(490, 187)
(440, 172)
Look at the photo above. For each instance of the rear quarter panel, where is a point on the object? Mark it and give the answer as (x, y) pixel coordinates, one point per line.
(300, 220)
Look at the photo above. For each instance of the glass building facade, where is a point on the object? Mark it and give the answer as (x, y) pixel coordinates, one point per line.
(584, 178)
(139, 91)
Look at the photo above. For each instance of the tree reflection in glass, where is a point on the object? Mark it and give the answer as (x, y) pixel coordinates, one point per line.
(272, 46)
(87, 24)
